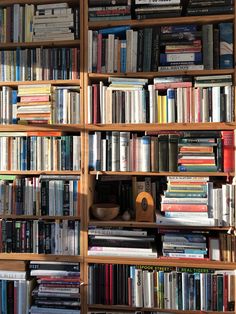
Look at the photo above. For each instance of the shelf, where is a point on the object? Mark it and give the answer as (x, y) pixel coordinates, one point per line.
(54, 43)
(41, 127)
(186, 174)
(6, 2)
(164, 21)
(145, 309)
(155, 127)
(39, 257)
(53, 82)
(137, 224)
(151, 75)
(166, 262)
(40, 217)
(40, 172)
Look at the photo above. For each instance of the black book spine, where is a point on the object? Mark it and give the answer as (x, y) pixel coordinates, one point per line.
(155, 49)
(44, 198)
(23, 237)
(41, 237)
(8, 236)
(48, 238)
(216, 48)
(163, 153)
(66, 199)
(173, 152)
(17, 236)
(140, 50)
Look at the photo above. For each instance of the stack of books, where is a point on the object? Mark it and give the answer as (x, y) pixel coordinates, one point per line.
(145, 9)
(53, 22)
(35, 104)
(199, 151)
(181, 46)
(209, 7)
(185, 245)
(109, 10)
(58, 287)
(186, 201)
(121, 242)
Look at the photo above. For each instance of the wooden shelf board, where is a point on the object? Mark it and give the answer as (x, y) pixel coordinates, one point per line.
(136, 224)
(129, 308)
(139, 173)
(53, 82)
(41, 127)
(155, 127)
(151, 75)
(7, 2)
(37, 173)
(171, 262)
(39, 257)
(35, 217)
(164, 21)
(54, 43)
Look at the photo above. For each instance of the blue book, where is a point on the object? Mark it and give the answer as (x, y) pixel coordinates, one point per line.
(226, 45)
(123, 56)
(14, 106)
(4, 297)
(117, 30)
(178, 28)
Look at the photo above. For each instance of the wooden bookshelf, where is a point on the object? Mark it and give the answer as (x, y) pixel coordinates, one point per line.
(92, 177)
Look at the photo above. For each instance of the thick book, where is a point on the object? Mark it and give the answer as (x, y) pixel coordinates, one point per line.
(228, 150)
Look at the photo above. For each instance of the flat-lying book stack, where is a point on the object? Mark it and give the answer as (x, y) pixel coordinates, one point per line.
(35, 104)
(109, 10)
(53, 22)
(209, 7)
(58, 287)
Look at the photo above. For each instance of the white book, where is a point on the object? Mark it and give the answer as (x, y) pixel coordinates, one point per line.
(115, 151)
(138, 287)
(90, 51)
(225, 205)
(103, 155)
(145, 158)
(216, 106)
(152, 104)
(110, 56)
(229, 103)
(203, 292)
(181, 67)
(119, 232)
(148, 289)
(123, 254)
(157, 2)
(128, 106)
(12, 275)
(124, 151)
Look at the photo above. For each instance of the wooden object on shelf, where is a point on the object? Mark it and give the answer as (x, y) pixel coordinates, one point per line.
(144, 206)
(105, 211)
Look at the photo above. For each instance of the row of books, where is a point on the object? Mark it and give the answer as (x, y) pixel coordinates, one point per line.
(29, 22)
(15, 294)
(167, 100)
(162, 287)
(40, 196)
(146, 9)
(43, 103)
(35, 151)
(60, 237)
(174, 47)
(57, 287)
(53, 104)
(158, 152)
(39, 64)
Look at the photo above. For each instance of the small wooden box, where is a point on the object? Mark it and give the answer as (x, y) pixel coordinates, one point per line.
(144, 206)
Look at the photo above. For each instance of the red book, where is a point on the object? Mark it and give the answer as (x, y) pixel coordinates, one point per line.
(172, 85)
(34, 98)
(184, 207)
(107, 286)
(228, 150)
(196, 161)
(225, 292)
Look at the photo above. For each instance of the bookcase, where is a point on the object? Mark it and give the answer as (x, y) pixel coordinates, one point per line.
(135, 68)
(105, 89)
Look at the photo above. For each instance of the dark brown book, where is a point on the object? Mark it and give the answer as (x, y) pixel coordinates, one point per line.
(163, 153)
(173, 152)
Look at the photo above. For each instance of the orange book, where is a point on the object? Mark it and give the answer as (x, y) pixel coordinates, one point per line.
(184, 207)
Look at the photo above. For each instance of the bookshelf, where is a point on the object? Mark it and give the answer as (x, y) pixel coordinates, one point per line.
(99, 71)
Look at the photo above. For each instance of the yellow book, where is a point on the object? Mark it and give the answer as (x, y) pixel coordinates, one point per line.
(164, 108)
(159, 109)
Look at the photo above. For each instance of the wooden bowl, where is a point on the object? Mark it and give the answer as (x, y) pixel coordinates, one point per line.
(105, 211)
